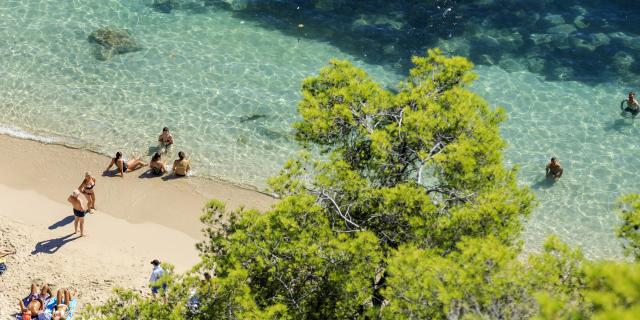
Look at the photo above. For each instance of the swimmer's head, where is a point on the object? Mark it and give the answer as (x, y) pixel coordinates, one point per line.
(87, 174)
(156, 157)
(632, 94)
(165, 129)
(118, 155)
(181, 155)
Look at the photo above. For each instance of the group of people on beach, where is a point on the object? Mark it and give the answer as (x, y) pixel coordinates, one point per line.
(42, 305)
(181, 168)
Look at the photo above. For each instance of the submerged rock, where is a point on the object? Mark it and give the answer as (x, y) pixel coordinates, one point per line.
(164, 6)
(554, 19)
(252, 117)
(113, 41)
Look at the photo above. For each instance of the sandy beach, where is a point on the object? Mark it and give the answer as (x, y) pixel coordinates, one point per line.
(138, 219)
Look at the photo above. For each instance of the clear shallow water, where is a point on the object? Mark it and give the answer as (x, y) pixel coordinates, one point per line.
(205, 69)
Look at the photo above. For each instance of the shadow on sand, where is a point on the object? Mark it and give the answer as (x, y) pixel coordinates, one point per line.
(52, 245)
(65, 221)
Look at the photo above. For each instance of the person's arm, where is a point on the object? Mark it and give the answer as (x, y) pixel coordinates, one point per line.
(188, 166)
(82, 185)
(170, 139)
(160, 138)
(547, 169)
(23, 308)
(70, 199)
(174, 166)
(121, 169)
(110, 165)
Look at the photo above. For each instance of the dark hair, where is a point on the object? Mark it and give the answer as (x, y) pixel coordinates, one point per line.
(181, 155)
(118, 155)
(156, 157)
(155, 262)
(553, 159)
(165, 129)
(207, 275)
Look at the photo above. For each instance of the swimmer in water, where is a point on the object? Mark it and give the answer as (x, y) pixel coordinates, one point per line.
(632, 104)
(165, 140)
(554, 169)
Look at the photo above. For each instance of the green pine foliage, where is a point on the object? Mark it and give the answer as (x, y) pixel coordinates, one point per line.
(398, 206)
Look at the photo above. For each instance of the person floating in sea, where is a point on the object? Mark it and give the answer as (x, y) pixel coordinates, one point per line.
(554, 169)
(633, 106)
(165, 140)
(78, 211)
(124, 165)
(87, 188)
(181, 166)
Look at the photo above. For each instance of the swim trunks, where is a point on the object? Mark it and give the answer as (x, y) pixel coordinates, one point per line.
(79, 214)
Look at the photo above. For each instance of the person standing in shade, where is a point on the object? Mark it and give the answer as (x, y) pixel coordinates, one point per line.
(78, 211)
(554, 169)
(181, 166)
(156, 274)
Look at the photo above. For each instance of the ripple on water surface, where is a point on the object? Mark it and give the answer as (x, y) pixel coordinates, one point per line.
(228, 90)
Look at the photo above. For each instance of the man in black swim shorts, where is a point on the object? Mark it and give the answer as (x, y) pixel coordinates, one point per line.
(78, 211)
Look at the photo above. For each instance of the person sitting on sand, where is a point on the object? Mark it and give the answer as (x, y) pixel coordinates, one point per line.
(165, 139)
(124, 165)
(78, 211)
(33, 306)
(157, 165)
(632, 104)
(87, 188)
(63, 306)
(554, 169)
(181, 166)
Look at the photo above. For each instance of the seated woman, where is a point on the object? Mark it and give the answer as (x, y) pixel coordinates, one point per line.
(165, 140)
(124, 165)
(633, 106)
(181, 166)
(64, 305)
(157, 165)
(554, 169)
(33, 306)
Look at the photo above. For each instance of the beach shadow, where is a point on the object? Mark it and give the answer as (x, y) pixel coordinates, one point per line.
(148, 175)
(172, 177)
(110, 173)
(52, 245)
(545, 183)
(65, 221)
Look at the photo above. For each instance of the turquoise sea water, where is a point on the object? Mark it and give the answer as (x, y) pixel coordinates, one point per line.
(207, 67)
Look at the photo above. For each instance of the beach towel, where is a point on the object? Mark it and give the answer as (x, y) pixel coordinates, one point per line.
(3, 267)
(54, 301)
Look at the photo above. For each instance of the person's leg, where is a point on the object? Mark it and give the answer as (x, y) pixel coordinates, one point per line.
(81, 223)
(34, 290)
(45, 292)
(67, 297)
(60, 297)
(75, 224)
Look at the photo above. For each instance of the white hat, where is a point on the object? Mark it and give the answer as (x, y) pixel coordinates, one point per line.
(75, 193)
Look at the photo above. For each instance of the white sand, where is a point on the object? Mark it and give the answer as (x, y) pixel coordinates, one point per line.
(138, 219)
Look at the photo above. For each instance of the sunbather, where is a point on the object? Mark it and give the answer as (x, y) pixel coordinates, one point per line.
(33, 306)
(63, 305)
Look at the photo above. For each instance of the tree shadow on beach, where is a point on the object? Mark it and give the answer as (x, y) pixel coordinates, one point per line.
(63, 222)
(51, 246)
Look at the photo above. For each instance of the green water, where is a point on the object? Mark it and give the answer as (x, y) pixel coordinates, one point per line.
(206, 69)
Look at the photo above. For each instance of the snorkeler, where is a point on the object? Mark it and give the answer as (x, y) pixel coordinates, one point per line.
(554, 169)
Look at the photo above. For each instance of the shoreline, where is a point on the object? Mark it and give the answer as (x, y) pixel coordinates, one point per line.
(138, 218)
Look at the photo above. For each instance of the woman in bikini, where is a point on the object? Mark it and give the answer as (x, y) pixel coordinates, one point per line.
(87, 188)
(157, 165)
(181, 166)
(124, 165)
(63, 303)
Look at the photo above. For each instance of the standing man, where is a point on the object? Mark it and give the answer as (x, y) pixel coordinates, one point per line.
(78, 211)
(156, 274)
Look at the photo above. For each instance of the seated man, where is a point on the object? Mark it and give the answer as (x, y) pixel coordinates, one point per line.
(632, 104)
(181, 166)
(554, 169)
